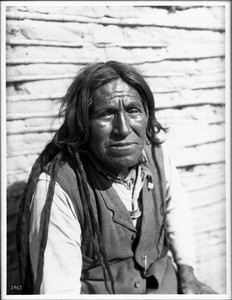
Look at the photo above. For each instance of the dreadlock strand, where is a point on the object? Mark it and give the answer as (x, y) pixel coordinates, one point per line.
(47, 212)
(106, 264)
(23, 220)
(99, 248)
(163, 210)
(89, 217)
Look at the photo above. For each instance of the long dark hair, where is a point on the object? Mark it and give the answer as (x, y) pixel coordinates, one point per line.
(69, 139)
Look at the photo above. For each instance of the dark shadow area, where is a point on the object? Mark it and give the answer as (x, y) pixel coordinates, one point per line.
(14, 194)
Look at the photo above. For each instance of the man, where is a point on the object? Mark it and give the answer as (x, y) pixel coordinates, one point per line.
(104, 198)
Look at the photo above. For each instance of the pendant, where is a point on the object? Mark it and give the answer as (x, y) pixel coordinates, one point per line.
(135, 214)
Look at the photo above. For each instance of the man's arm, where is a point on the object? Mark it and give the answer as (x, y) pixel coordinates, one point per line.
(62, 257)
(179, 231)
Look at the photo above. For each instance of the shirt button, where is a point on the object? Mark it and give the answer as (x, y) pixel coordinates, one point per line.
(137, 284)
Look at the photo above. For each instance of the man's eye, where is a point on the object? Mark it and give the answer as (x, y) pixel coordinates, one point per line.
(133, 111)
(105, 115)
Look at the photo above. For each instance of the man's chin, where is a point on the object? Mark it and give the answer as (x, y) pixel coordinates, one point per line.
(120, 163)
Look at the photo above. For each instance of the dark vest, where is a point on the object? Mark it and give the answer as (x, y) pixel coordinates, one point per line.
(133, 253)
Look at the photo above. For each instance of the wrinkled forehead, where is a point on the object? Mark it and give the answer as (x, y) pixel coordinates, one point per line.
(114, 89)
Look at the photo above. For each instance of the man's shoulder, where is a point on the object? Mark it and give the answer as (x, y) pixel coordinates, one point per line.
(65, 168)
(65, 176)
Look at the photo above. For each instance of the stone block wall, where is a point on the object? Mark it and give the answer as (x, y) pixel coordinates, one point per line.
(181, 52)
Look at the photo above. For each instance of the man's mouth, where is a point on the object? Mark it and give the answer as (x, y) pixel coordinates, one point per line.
(123, 145)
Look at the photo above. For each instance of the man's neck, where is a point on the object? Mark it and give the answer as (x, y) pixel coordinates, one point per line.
(117, 173)
(123, 173)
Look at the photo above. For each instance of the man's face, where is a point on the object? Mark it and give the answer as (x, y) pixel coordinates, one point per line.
(118, 123)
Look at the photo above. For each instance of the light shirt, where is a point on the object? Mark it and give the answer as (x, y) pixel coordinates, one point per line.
(62, 257)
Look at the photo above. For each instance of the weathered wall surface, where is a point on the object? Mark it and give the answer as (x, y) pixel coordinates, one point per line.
(181, 53)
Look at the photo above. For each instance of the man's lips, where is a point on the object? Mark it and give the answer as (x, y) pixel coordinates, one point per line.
(123, 147)
(122, 144)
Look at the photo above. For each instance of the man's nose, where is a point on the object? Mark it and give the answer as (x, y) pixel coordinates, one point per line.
(121, 126)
